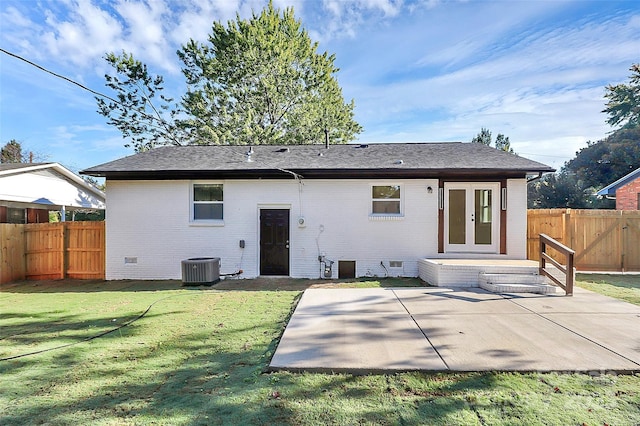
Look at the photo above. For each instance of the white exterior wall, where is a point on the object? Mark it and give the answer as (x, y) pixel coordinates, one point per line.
(46, 187)
(149, 221)
(517, 218)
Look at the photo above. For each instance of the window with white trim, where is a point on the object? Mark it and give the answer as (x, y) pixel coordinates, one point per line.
(386, 200)
(207, 202)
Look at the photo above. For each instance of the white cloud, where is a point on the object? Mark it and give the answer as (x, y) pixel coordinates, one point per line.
(343, 19)
(523, 79)
(83, 35)
(13, 16)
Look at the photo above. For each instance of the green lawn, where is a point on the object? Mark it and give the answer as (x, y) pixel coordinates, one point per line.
(625, 287)
(199, 357)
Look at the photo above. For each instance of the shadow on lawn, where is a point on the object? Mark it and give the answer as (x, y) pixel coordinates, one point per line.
(254, 284)
(70, 328)
(230, 387)
(204, 383)
(89, 286)
(203, 375)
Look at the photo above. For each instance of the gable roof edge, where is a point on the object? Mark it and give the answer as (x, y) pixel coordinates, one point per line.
(58, 168)
(613, 187)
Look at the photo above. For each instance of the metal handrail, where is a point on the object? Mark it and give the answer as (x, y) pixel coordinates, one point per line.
(567, 269)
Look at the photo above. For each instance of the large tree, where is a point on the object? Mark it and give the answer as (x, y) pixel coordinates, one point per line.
(11, 152)
(595, 166)
(561, 190)
(623, 105)
(255, 81)
(135, 111)
(262, 81)
(607, 160)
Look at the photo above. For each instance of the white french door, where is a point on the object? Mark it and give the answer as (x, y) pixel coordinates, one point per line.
(471, 212)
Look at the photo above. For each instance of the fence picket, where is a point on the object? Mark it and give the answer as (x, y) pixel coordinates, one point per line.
(604, 240)
(52, 251)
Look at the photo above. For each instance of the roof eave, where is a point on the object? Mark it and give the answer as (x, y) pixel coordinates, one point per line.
(61, 170)
(313, 173)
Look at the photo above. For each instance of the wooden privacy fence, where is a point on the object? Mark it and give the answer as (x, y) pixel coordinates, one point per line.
(603, 240)
(12, 261)
(52, 251)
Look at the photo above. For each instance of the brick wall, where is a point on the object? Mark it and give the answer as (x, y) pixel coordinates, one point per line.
(627, 196)
(149, 231)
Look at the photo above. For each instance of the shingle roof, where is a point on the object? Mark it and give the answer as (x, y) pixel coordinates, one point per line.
(17, 166)
(352, 161)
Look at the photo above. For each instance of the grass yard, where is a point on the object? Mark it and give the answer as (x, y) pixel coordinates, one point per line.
(199, 354)
(624, 287)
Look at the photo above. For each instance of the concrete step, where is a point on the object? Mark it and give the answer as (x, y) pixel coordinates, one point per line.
(515, 283)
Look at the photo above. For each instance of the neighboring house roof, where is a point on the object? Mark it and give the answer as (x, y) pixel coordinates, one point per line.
(46, 184)
(411, 160)
(610, 190)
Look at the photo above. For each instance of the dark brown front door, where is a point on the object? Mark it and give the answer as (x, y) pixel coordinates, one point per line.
(274, 242)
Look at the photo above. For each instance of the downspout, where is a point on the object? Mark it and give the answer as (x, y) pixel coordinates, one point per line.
(535, 178)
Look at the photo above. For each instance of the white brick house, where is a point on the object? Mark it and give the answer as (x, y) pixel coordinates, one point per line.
(272, 210)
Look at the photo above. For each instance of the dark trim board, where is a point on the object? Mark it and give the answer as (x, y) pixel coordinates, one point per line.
(448, 174)
(441, 216)
(503, 217)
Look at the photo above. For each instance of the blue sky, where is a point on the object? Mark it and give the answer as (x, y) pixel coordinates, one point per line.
(419, 71)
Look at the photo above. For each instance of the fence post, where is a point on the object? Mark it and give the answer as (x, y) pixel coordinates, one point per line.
(621, 226)
(567, 223)
(541, 262)
(65, 247)
(571, 276)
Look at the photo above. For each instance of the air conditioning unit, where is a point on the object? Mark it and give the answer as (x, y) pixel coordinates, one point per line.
(201, 270)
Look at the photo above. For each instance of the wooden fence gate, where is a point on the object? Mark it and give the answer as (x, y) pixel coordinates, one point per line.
(604, 240)
(42, 251)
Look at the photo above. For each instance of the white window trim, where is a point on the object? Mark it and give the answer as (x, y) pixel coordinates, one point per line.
(386, 216)
(205, 222)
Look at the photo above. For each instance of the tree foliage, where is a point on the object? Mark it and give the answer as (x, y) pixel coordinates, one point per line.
(484, 137)
(502, 142)
(599, 163)
(11, 152)
(594, 167)
(623, 105)
(261, 81)
(564, 190)
(607, 160)
(255, 81)
(133, 112)
(14, 152)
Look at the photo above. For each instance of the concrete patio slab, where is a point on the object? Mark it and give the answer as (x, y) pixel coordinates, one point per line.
(618, 332)
(520, 342)
(435, 329)
(582, 301)
(323, 301)
(363, 343)
(437, 301)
